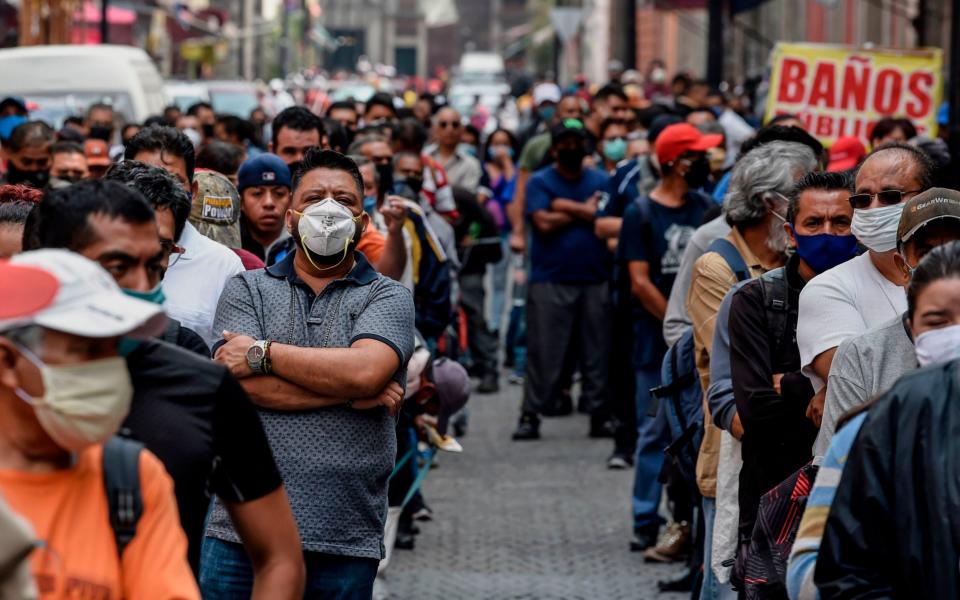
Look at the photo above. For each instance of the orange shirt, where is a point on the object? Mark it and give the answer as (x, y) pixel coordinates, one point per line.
(371, 244)
(68, 511)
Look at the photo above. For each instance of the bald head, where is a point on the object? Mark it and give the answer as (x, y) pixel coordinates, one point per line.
(894, 167)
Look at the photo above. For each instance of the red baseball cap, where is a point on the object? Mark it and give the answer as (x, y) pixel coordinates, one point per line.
(683, 137)
(24, 291)
(846, 153)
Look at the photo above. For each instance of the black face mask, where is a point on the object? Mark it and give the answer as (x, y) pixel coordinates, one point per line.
(207, 130)
(100, 132)
(385, 178)
(697, 176)
(571, 159)
(37, 179)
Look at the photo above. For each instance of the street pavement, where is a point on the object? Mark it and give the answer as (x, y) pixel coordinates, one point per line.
(517, 520)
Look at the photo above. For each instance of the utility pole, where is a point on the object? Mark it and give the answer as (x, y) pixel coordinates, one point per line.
(630, 31)
(953, 83)
(104, 24)
(715, 43)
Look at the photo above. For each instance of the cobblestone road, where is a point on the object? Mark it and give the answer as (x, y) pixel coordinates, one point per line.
(543, 520)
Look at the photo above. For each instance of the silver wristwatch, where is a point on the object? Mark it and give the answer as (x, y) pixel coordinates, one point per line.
(258, 357)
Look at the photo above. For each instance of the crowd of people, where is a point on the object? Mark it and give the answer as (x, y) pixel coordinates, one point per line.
(226, 342)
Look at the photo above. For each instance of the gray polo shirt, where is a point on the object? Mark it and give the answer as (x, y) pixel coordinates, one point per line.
(335, 461)
(462, 169)
(864, 367)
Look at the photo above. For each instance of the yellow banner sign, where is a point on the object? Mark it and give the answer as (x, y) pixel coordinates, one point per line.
(841, 91)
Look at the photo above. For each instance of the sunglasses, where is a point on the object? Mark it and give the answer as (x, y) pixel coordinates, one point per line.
(886, 198)
(173, 252)
(451, 124)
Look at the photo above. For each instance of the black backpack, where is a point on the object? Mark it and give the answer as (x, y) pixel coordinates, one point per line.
(121, 480)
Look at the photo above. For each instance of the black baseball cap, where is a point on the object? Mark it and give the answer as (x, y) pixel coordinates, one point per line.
(568, 127)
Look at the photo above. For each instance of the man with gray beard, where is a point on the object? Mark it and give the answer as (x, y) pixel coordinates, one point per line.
(756, 208)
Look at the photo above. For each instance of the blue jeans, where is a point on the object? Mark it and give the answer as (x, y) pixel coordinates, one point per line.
(226, 574)
(712, 589)
(653, 436)
(498, 278)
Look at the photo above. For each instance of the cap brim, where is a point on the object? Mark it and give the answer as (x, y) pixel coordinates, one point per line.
(106, 314)
(707, 141)
(98, 162)
(913, 231)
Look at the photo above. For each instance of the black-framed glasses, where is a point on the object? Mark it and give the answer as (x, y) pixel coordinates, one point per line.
(445, 124)
(886, 198)
(172, 251)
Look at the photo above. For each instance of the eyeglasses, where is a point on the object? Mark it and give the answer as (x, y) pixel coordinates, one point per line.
(451, 124)
(886, 198)
(172, 251)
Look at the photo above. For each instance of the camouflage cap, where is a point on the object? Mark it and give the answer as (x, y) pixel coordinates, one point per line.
(216, 208)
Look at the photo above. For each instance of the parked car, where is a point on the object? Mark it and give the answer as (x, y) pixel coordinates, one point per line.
(64, 80)
(233, 97)
(185, 94)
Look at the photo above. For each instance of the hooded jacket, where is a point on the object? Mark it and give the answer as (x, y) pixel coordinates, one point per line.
(894, 526)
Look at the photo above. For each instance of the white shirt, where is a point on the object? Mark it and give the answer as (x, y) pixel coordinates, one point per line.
(736, 131)
(841, 304)
(194, 283)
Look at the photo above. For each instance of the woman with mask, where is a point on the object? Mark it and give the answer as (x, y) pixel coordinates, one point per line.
(613, 144)
(64, 391)
(853, 553)
(497, 186)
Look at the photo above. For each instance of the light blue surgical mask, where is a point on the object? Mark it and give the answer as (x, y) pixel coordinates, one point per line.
(615, 149)
(468, 149)
(154, 296)
(370, 204)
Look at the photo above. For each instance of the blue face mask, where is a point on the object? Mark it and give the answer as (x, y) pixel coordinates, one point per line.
(824, 251)
(467, 149)
(614, 150)
(369, 204)
(492, 152)
(126, 346)
(547, 112)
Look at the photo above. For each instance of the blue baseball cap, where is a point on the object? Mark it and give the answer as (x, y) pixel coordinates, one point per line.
(264, 169)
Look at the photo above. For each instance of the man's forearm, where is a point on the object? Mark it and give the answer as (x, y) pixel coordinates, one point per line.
(356, 372)
(578, 210)
(608, 227)
(548, 221)
(269, 391)
(394, 258)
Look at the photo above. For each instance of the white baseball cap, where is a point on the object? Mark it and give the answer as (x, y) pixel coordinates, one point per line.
(546, 92)
(87, 301)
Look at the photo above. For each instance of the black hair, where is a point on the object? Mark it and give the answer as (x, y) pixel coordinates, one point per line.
(66, 148)
(781, 118)
(318, 158)
(607, 124)
(343, 105)
(158, 187)
(157, 120)
(194, 108)
(362, 140)
(781, 133)
(73, 120)
(234, 125)
(682, 78)
(409, 134)
(609, 90)
(921, 160)
(297, 118)
(166, 140)
(16, 212)
(514, 143)
(942, 262)
(62, 219)
(472, 130)
(337, 135)
(888, 125)
(380, 99)
(221, 157)
(815, 180)
(31, 133)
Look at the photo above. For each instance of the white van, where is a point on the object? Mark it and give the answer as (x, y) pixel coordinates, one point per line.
(65, 80)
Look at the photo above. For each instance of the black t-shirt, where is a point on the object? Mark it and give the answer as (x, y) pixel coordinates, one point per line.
(198, 420)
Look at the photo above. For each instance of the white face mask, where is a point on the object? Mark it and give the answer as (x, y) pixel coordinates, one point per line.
(876, 228)
(938, 345)
(327, 228)
(82, 404)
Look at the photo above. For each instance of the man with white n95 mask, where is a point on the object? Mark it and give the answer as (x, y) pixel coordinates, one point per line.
(866, 291)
